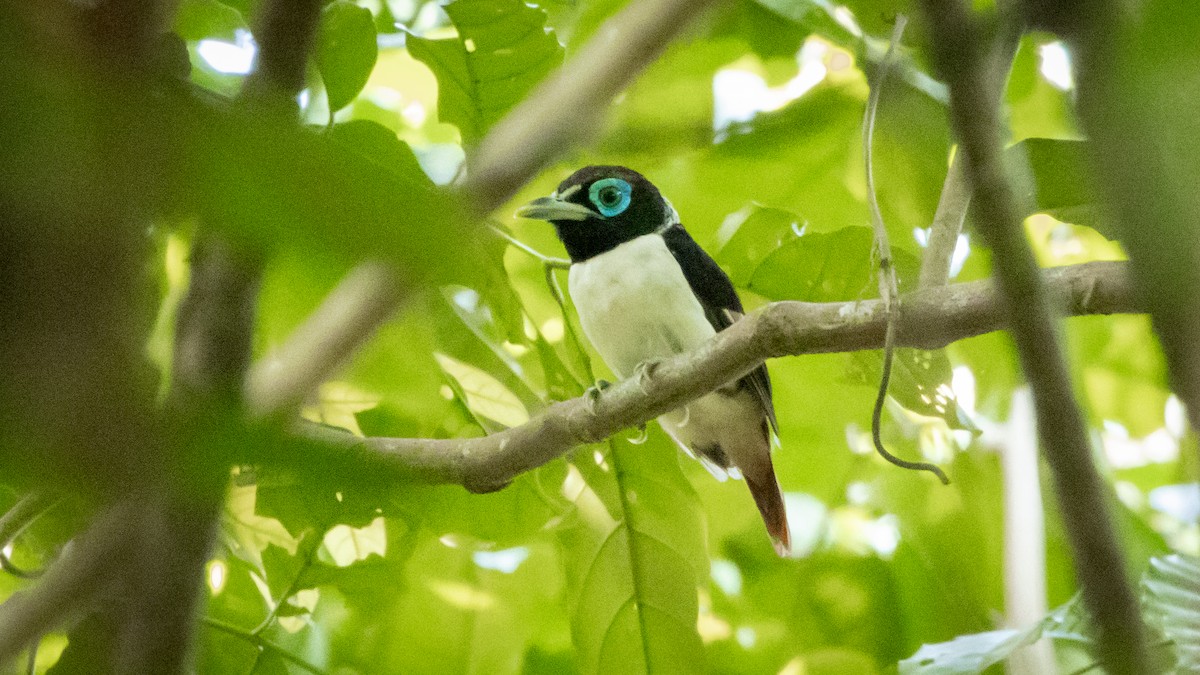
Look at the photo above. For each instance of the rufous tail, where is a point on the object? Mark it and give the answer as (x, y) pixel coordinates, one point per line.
(765, 490)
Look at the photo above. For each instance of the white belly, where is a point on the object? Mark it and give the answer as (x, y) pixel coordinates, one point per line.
(635, 305)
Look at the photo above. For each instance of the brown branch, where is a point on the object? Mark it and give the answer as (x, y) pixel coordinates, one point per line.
(184, 495)
(71, 583)
(929, 319)
(974, 113)
(955, 197)
(339, 326)
(285, 31)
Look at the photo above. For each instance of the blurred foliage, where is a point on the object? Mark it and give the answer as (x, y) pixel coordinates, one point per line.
(623, 557)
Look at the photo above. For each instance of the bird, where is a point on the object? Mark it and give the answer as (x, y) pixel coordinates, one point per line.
(644, 290)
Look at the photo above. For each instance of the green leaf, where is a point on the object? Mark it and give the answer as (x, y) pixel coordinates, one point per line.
(636, 553)
(346, 51)
(1172, 591)
(380, 145)
(502, 50)
(485, 394)
(818, 267)
(749, 235)
(968, 654)
(1059, 182)
(200, 19)
(920, 382)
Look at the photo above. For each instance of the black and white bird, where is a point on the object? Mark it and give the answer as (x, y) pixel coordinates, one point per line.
(644, 291)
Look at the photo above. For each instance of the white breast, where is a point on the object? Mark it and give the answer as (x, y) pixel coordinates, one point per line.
(635, 305)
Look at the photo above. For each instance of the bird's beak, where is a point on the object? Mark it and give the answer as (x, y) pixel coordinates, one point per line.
(553, 208)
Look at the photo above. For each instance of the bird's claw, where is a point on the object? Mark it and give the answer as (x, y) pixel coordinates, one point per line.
(593, 394)
(643, 373)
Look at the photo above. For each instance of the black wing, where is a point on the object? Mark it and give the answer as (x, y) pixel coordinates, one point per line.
(720, 302)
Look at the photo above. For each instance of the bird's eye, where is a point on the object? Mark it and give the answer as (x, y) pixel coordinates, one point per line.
(611, 196)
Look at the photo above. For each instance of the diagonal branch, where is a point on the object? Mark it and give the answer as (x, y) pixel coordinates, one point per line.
(931, 319)
(955, 197)
(566, 107)
(974, 113)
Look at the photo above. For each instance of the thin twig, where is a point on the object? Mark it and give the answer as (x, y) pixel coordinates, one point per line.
(947, 226)
(931, 319)
(262, 643)
(549, 261)
(888, 288)
(310, 556)
(974, 111)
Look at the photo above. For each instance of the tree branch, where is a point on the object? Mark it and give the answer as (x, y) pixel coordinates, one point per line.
(974, 112)
(186, 491)
(930, 319)
(336, 329)
(955, 199)
(72, 581)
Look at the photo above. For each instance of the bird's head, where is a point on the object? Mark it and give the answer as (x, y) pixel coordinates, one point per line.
(598, 208)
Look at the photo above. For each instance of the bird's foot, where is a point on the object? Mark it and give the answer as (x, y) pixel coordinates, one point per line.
(643, 373)
(593, 394)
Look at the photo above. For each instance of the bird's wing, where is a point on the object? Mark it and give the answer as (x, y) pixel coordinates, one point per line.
(721, 304)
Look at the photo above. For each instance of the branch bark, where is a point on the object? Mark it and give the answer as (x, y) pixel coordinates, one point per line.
(974, 111)
(929, 319)
(184, 495)
(71, 583)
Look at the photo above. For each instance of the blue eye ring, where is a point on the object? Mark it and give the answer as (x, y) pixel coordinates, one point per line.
(611, 196)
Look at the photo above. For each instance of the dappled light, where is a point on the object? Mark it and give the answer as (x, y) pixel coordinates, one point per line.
(288, 387)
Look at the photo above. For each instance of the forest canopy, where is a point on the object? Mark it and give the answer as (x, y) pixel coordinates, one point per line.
(288, 388)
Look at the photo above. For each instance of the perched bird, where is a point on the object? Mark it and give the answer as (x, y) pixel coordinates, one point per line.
(645, 291)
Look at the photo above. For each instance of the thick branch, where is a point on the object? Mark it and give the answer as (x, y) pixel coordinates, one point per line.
(71, 582)
(928, 319)
(286, 31)
(974, 112)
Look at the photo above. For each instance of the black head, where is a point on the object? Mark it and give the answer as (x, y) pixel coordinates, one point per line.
(598, 208)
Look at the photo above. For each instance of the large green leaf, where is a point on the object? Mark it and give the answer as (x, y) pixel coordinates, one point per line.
(1172, 592)
(502, 50)
(748, 236)
(200, 19)
(1058, 180)
(635, 551)
(346, 51)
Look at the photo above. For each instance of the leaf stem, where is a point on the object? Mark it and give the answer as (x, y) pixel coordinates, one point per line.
(262, 643)
(888, 288)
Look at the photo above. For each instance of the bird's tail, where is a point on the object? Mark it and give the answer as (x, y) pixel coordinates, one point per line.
(767, 496)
